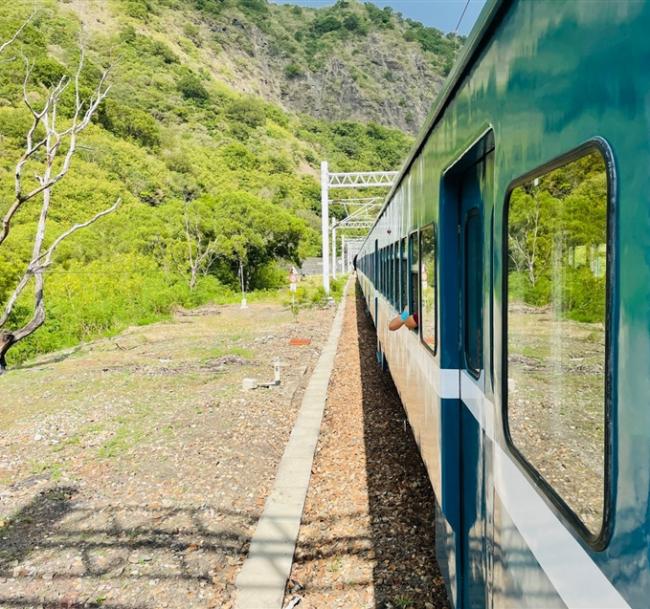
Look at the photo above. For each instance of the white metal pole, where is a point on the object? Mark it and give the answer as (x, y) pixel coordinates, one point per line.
(324, 202)
(344, 267)
(333, 251)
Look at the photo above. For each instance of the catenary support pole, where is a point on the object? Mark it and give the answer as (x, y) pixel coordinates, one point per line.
(333, 251)
(324, 201)
(344, 265)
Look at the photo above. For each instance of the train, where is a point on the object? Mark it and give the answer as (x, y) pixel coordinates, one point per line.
(518, 235)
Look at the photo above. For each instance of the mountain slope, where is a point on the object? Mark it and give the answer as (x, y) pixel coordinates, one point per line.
(351, 61)
(172, 140)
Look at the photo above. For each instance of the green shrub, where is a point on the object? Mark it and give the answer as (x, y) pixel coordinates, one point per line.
(325, 23)
(162, 51)
(191, 88)
(248, 111)
(237, 156)
(138, 9)
(353, 23)
(48, 71)
(129, 123)
(293, 70)
(378, 16)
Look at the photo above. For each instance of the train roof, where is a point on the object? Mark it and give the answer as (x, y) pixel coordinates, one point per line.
(480, 34)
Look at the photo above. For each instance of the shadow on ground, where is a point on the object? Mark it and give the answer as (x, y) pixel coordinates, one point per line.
(401, 500)
(56, 553)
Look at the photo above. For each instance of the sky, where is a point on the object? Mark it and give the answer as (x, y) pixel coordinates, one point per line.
(441, 14)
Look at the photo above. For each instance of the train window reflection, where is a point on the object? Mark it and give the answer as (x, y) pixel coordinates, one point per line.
(556, 331)
(428, 277)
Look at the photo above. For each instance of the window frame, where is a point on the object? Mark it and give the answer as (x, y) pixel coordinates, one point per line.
(395, 274)
(434, 350)
(599, 540)
(412, 244)
(403, 273)
(390, 274)
(474, 371)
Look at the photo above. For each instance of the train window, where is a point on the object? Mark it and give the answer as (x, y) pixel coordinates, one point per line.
(473, 291)
(386, 272)
(403, 279)
(556, 320)
(390, 274)
(414, 274)
(428, 280)
(395, 275)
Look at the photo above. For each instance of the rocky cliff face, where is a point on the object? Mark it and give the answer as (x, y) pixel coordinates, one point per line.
(348, 62)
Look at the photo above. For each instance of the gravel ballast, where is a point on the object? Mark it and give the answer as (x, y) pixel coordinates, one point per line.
(367, 534)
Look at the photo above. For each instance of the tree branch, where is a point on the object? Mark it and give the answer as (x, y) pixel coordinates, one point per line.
(35, 268)
(4, 45)
(47, 256)
(53, 139)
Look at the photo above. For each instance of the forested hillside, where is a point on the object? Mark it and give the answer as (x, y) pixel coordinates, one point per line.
(201, 167)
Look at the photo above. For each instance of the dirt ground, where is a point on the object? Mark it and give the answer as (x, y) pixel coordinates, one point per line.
(133, 470)
(367, 538)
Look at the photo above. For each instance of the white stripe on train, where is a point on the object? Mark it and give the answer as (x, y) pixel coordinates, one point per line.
(575, 576)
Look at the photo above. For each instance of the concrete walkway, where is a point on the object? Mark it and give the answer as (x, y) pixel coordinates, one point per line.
(263, 577)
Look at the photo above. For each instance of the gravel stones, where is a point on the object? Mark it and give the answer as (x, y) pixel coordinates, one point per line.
(367, 535)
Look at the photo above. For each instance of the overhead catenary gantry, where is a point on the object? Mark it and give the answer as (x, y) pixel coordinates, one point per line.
(361, 212)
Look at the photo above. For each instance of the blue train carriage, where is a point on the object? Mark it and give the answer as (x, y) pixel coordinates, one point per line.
(519, 231)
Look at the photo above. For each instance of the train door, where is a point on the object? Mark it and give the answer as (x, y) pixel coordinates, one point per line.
(473, 187)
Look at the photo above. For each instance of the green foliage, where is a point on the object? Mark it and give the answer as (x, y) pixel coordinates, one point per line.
(170, 140)
(257, 6)
(293, 70)
(192, 89)
(138, 9)
(380, 17)
(557, 234)
(164, 52)
(353, 23)
(192, 32)
(253, 233)
(129, 123)
(48, 71)
(246, 111)
(431, 40)
(325, 23)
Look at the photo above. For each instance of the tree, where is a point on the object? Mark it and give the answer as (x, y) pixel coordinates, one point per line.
(252, 232)
(45, 142)
(201, 245)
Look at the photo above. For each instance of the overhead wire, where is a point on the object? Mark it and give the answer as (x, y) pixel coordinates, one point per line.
(460, 19)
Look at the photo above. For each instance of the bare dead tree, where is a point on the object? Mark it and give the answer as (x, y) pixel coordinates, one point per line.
(46, 138)
(45, 121)
(201, 251)
(4, 45)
